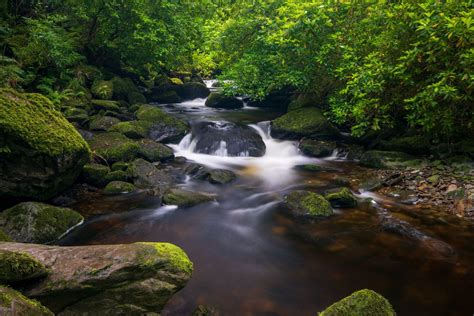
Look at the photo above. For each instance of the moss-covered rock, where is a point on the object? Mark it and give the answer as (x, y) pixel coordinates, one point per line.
(385, 159)
(41, 153)
(160, 125)
(118, 175)
(95, 174)
(146, 175)
(305, 122)
(76, 115)
(106, 105)
(123, 87)
(176, 81)
(308, 204)
(169, 96)
(317, 148)
(416, 145)
(221, 176)
(193, 90)
(303, 101)
(185, 198)
(220, 100)
(102, 89)
(153, 151)
(88, 73)
(14, 303)
(33, 222)
(119, 166)
(129, 279)
(16, 266)
(114, 147)
(341, 197)
(136, 98)
(133, 129)
(364, 302)
(119, 187)
(102, 123)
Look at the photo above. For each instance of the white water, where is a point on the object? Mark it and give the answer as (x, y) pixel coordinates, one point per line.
(275, 168)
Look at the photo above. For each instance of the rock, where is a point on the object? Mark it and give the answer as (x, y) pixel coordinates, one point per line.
(221, 176)
(166, 97)
(275, 99)
(34, 222)
(41, 153)
(316, 168)
(153, 151)
(316, 148)
(17, 266)
(371, 185)
(176, 81)
(363, 302)
(203, 310)
(384, 159)
(308, 204)
(102, 123)
(393, 179)
(15, 304)
(160, 125)
(76, 115)
(136, 98)
(185, 198)
(117, 175)
(102, 89)
(123, 87)
(193, 90)
(224, 138)
(119, 166)
(305, 122)
(129, 279)
(114, 147)
(146, 175)
(341, 197)
(106, 105)
(88, 73)
(119, 187)
(133, 129)
(219, 100)
(95, 174)
(303, 101)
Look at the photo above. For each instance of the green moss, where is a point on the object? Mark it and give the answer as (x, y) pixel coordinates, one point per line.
(102, 89)
(4, 236)
(31, 118)
(304, 122)
(119, 187)
(119, 166)
(14, 302)
(341, 198)
(106, 105)
(361, 303)
(114, 147)
(176, 81)
(133, 129)
(153, 114)
(306, 203)
(386, 159)
(176, 256)
(16, 266)
(169, 96)
(118, 175)
(95, 174)
(103, 123)
(122, 87)
(136, 98)
(153, 151)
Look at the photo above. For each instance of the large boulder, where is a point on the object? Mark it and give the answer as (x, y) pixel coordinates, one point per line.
(308, 204)
(229, 139)
(160, 125)
(130, 279)
(15, 304)
(193, 90)
(41, 153)
(304, 122)
(220, 100)
(34, 222)
(363, 302)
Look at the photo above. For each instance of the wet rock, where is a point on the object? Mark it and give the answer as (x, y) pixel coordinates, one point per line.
(17, 266)
(224, 138)
(133, 129)
(33, 222)
(164, 97)
(219, 100)
(146, 175)
(102, 123)
(119, 187)
(185, 198)
(114, 147)
(153, 151)
(308, 204)
(317, 148)
(305, 122)
(363, 302)
(341, 197)
(15, 304)
(129, 279)
(221, 176)
(95, 174)
(385, 159)
(193, 90)
(37, 160)
(161, 126)
(371, 185)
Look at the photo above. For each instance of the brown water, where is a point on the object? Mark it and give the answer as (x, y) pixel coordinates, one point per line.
(251, 258)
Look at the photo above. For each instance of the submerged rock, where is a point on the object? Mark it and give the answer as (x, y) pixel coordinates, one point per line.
(308, 204)
(15, 304)
(341, 197)
(34, 222)
(17, 266)
(363, 302)
(185, 198)
(305, 122)
(130, 279)
(229, 139)
(41, 153)
(219, 100)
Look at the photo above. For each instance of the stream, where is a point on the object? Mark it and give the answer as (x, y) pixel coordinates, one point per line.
(251, 258)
